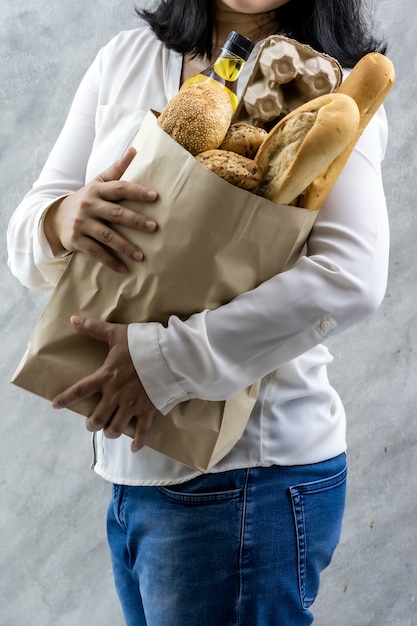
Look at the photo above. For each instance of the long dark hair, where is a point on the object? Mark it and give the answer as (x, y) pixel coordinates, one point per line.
(341, 28)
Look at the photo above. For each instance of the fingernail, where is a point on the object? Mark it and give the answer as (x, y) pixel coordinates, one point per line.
(151, 194)
(150, 225)
(122, 269)
(137, 255)
(76, 320)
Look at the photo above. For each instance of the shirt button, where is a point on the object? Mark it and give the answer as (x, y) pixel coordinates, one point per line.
(325, 326)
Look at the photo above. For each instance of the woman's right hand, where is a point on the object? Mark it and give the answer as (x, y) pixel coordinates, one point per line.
(83, 220)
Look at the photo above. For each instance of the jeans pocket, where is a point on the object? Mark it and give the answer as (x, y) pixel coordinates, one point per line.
(208, 488)
(318, 509)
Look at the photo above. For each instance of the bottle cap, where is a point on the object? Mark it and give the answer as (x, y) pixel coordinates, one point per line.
(238, 44)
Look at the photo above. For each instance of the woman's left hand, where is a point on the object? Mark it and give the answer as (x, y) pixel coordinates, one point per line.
(122, 394)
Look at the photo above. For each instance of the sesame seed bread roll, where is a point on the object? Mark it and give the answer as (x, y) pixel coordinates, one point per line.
(198, 116)
(303, 144)
(368, 84)
(244, 139)
(232, 167)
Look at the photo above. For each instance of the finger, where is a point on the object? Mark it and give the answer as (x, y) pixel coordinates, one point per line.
(92, 247)
(117, 190)
(113, 174)
(117, 425)
(94, 328)
(81, 390)
(117, 169)
(101, 416)
(142, 429)
(102, 232)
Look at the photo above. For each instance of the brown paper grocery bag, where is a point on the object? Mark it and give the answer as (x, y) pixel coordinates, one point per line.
(214, 242)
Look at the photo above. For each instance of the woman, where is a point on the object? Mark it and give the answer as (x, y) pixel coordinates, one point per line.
(245, 543)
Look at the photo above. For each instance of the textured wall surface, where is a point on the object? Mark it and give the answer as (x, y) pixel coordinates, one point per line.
(54, 564)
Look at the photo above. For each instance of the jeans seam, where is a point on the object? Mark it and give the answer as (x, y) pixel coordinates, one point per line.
(119, 503)
(300, 541)
(322, 484)
(199, 498)
(241, 546)
(298, 492)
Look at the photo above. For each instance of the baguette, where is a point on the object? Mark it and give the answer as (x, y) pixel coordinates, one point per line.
(368, 84)
(303, 144)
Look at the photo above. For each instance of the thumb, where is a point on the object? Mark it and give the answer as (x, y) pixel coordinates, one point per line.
(94, 328)
(117, 169)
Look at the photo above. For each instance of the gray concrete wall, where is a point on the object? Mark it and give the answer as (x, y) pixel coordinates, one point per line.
(54, 565)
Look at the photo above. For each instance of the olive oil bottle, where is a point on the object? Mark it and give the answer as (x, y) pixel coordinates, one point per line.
(228, 65)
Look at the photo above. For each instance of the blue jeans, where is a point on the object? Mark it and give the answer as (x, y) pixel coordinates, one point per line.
(239, 548)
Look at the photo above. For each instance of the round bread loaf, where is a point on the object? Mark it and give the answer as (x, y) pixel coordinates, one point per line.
(232, 167)
(198, 116)
(244, 139)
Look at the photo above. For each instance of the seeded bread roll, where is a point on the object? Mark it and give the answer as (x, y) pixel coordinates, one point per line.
(303, 144)
(198, 116)
(244, 139)
(232, 167)
(368, 84)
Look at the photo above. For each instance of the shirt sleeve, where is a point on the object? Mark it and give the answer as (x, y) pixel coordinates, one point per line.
(338, 282)
(30, 257)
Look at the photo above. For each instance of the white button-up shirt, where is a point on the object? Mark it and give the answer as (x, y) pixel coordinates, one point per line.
(272, 333)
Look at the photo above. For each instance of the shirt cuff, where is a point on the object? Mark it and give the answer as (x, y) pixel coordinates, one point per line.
(41, 243)
(49, 264)
(157, 379)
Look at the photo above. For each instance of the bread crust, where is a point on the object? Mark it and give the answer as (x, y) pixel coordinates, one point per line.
(303, 144)
(232, 167)
(243, 139)
(368, 84)
(198, 116)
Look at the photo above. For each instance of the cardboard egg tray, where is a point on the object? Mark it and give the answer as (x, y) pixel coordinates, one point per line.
(286, 74)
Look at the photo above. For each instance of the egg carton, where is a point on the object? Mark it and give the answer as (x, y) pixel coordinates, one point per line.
(286, 74)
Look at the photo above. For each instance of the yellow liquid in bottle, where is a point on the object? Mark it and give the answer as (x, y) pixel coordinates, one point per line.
(225, 72)
(228, 69)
